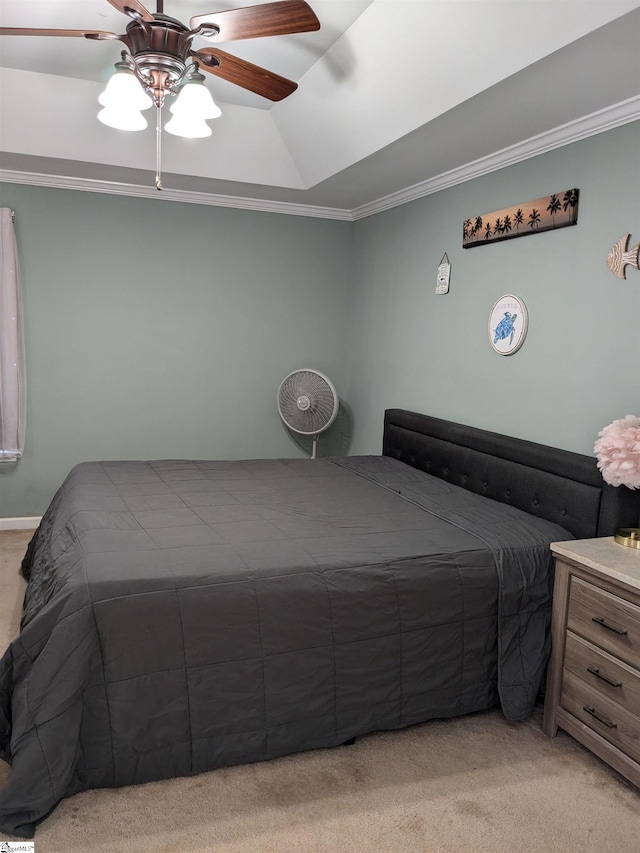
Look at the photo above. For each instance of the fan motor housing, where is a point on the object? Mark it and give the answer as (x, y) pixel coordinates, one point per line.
(164, 36)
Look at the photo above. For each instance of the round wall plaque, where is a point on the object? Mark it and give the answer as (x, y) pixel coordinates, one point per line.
(508, 322)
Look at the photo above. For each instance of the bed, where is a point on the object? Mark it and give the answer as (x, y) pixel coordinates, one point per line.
(181, 615)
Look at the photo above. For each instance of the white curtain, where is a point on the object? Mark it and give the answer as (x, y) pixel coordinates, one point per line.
(13, 391)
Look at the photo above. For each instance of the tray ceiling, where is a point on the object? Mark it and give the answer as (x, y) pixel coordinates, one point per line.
(395, 98)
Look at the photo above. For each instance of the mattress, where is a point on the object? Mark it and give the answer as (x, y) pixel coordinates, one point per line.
(187, 615)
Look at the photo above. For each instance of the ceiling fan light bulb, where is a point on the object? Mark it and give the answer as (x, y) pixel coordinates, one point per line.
(188, 127)
(122, 119)
(195, 102)
(124, 91)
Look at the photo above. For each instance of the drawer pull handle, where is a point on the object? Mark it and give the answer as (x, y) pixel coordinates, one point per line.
(595, 671)
(591, 710)
(606, 625)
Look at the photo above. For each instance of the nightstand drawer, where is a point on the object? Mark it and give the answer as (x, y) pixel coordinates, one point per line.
(605, 675)
(601, 714)
(606, 620)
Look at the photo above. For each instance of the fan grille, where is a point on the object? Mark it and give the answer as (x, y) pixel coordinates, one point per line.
(307, 402)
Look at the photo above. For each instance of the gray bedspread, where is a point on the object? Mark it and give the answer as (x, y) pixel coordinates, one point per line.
(182, 616)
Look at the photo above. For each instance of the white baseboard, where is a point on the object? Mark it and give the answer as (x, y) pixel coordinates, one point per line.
(27, 523)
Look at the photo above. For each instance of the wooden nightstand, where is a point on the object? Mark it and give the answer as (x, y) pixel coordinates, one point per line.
(593, 681)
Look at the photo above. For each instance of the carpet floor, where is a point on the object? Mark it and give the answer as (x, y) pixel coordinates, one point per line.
(477, 784)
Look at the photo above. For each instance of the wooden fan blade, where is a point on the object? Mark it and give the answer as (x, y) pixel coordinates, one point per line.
(270, 19)
(140, 12)
(87, 34)
(245, 74)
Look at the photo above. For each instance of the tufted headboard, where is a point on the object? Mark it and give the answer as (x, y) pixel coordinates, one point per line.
(554, 484)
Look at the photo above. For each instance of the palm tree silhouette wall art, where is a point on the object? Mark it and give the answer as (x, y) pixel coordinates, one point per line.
(557, 210)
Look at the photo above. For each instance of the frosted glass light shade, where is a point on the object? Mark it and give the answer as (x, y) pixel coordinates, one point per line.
(124, 91)
(122, 119)
(195, 100)
(185, 126)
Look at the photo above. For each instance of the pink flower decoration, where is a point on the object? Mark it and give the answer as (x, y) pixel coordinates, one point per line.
(618, 452)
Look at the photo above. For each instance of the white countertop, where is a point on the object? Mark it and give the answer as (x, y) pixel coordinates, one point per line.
(605, 555)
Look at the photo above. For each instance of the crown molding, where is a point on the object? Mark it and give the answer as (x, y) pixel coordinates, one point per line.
(598, 122)
(167, 194)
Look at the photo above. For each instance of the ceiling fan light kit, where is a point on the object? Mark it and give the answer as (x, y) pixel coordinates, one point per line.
(195, 99)
(191, 110)
(140, 82)
(159, 61)
(147, 78)
(123, 101)
(124, 90)
(187, 127)
(122, 119)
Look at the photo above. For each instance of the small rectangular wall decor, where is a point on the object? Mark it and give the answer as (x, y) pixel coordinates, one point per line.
(544, 214)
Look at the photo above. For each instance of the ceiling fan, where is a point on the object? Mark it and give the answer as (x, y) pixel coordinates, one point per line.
(161, 47)
(159, 55)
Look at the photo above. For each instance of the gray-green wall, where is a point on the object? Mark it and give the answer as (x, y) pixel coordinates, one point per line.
(158, 329)
(579, 367)
(162, 330)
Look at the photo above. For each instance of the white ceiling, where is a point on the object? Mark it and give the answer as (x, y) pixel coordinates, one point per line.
(396, 98)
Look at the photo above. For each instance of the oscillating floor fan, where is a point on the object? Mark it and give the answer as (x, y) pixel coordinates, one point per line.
(308, 403)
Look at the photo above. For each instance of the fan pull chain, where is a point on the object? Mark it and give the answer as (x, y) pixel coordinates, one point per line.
(158, 146)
